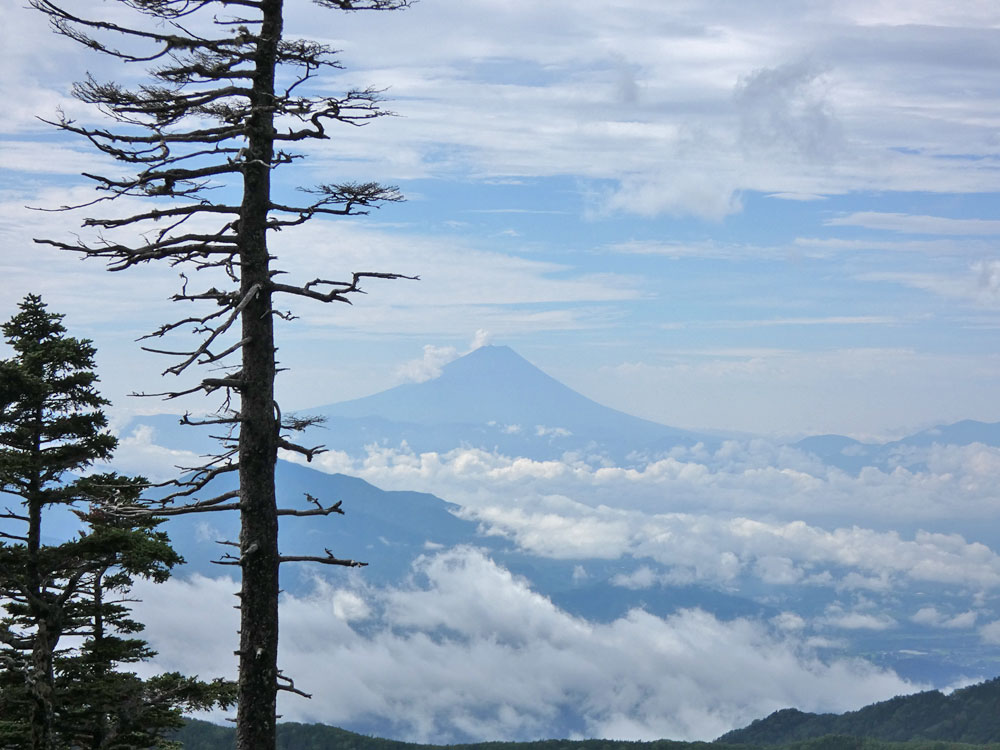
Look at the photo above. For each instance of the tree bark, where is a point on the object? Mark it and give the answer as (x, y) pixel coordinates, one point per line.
(42, 709)
(47, 633)
(258, 654)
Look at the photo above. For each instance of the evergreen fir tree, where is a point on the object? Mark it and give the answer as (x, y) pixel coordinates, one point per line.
(102, 706)
(52, 427)
(51, 423)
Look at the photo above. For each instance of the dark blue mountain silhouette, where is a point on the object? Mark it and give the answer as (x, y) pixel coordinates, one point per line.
(383, 528)
(389, 530)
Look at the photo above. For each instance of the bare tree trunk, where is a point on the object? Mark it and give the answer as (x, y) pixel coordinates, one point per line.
(258, 653)
(42, 710)
(41, 674)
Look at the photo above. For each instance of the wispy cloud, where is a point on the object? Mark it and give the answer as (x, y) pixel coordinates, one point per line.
(915, 224)
(833, 320)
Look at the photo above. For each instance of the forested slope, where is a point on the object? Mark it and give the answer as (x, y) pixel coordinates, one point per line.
(970, 715)
(199, 735)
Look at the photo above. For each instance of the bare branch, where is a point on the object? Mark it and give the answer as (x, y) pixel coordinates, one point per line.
(329, 559)
(318, 510)
(287, 684)
(309, 453)
(218, 331)
(340, 288)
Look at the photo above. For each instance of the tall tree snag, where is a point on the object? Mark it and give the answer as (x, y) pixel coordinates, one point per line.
(229, 96)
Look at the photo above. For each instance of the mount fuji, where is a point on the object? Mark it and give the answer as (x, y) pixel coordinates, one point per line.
(494, 399)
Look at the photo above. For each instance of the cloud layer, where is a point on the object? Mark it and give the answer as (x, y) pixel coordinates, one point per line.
(466, 651)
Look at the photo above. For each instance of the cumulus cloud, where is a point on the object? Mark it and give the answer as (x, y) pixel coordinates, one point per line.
(933, 617)
(139, 453)
(745, 478)
(467, 651)
(744, 512)
(429, 366)
(717, 550)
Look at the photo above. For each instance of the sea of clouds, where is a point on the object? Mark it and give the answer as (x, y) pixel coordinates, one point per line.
(463, 649)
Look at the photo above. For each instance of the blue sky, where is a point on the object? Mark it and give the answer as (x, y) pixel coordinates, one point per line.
(777, 220)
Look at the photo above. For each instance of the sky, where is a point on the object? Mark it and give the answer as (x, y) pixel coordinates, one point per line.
(762, 219)
(774, 219)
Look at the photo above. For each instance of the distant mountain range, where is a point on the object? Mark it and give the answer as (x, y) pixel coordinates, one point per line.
(910, 452)
(495, 400)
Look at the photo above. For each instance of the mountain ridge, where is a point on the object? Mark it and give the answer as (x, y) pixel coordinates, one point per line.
(967, 715)
(909, 452)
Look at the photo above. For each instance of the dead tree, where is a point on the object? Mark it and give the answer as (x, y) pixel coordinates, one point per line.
(228, 99)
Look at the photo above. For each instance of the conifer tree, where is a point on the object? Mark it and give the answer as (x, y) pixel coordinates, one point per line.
(51, 427)
(102, 705)
(51, 424)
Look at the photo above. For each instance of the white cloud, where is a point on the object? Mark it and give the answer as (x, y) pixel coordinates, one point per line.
(755, 477)
(978, 285)
(935, 618)
(607, 101)
(429, 366)
(858, 621)
(642, 577)
(698, 190)
(746, 512)
(543, 431)
(414, 658)
(786, 112)
(435, 358)
(481, 338)
(788, 621)
(138, 453)
(777, 570)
